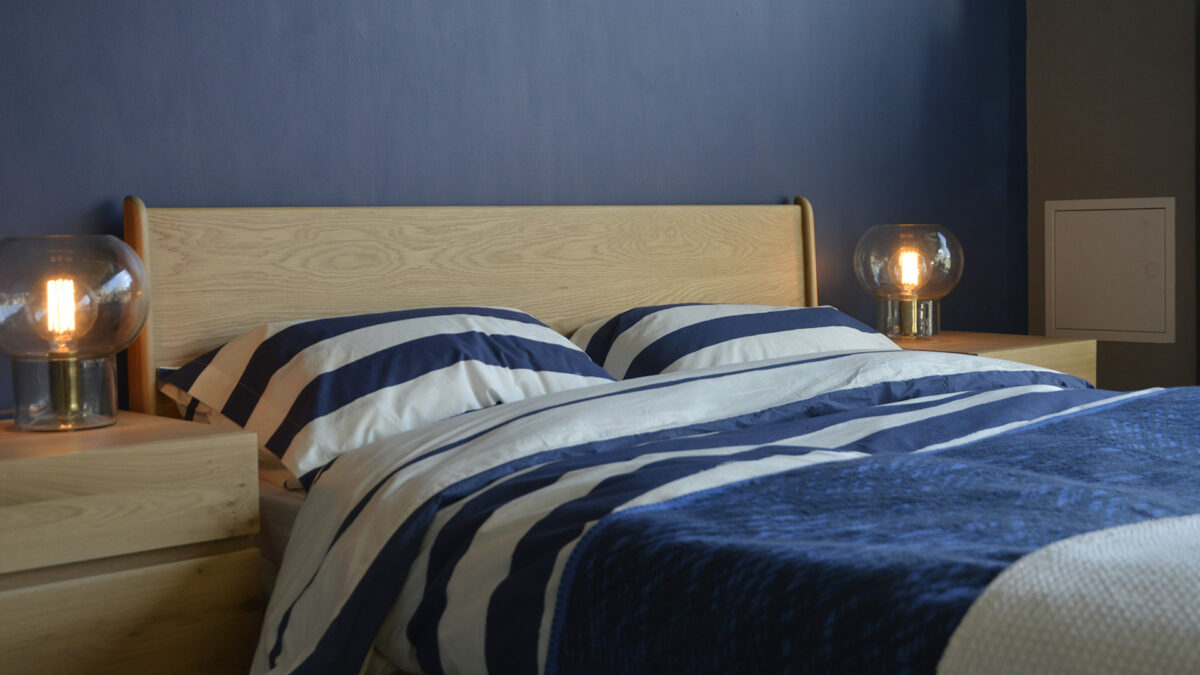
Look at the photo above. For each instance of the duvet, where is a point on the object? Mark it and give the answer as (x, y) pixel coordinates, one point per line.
(832, 513)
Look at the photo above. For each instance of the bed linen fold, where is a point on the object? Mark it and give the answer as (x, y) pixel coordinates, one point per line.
(1123, 600)
(862, 566)
(465, 546)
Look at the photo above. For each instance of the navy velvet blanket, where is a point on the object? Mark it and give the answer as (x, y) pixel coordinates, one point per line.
(866, 565)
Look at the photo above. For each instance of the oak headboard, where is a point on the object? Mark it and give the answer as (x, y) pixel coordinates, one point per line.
(217, 272)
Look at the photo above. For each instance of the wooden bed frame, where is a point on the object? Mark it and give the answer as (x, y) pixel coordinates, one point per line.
(217, 272)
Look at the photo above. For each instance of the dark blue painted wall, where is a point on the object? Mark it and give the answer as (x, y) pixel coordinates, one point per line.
(876, 111)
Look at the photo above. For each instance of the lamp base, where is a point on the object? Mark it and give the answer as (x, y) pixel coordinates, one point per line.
(65, 394)
(909, 318)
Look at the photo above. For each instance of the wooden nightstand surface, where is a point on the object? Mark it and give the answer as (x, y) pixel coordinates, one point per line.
(1069, 355)
(127, 549)
(144, 483)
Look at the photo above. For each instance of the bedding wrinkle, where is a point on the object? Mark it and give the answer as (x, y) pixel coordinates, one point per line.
(489, 509)
(668, 338)
(1094, 603)
(903, 605)
(315, 389)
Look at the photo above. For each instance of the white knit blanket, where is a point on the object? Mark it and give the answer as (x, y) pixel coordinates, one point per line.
(1121, 600)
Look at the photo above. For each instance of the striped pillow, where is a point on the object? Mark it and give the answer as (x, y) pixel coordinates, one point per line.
(669, 338)
(313, 390)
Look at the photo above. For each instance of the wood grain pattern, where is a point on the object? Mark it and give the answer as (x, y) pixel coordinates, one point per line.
(145, 483)
(192, 616)
(1068, 355)
(217, 272)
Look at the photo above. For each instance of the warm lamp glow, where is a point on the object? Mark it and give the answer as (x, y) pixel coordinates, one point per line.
(60, 307)
(64, 316)
(910, 266)
(68, 304)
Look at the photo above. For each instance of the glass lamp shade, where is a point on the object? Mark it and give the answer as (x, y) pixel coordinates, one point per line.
(908, 268)
(68, 304)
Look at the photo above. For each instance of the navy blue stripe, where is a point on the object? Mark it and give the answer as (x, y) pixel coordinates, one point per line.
(307, 480)
(454, 539)
(343, 647)
(386, 368)
(602, 340)
(190, 413)
(886, 392)
(482, 478)
(344, 643)
(531, 460)
(339, 636)
(185, 376)
(826, 404)
(668, 349)
(276, 351)
(648, 387)
(479, 479)
(516, 607)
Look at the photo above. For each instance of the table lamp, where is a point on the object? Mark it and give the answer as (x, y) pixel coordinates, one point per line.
(68, 304)
(908, 268)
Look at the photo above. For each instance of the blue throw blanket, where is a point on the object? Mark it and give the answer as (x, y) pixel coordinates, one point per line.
(862, 566)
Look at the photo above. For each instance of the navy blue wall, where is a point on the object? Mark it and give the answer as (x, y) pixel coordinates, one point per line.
(876, 111)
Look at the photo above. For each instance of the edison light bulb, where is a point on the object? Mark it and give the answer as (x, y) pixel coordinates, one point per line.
(66, 313)
(910, 270)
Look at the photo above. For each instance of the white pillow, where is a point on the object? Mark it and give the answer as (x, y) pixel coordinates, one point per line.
(313, 390)
(669, 338)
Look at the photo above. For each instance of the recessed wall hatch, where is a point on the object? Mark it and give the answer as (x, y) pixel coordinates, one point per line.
(1110, 269)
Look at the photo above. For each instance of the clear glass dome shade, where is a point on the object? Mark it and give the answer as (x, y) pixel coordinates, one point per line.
(68, 304)
(908, 268)
(908, 261)
(81, 296)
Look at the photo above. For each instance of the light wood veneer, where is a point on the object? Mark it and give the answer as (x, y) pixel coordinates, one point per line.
(1068, 355)
(126, 549)
(217, 272)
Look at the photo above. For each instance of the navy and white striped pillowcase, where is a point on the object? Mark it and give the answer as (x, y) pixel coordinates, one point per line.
(313, 390)
(669, 338)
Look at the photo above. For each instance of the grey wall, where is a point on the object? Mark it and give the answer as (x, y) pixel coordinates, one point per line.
(1111, 94)
(876, 111)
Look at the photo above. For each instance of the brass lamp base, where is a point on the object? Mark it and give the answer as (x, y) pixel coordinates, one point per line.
(908, 318)
(66, 394)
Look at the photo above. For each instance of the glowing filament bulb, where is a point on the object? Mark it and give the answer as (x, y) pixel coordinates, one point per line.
(60, 306)
(910, 268)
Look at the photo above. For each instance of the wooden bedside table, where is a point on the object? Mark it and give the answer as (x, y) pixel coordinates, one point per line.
(1069, 355)
(127, 549)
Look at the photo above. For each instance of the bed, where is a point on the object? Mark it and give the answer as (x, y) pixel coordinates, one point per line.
(644, 503)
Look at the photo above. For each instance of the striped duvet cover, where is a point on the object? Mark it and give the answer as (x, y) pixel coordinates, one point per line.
(826, 513)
